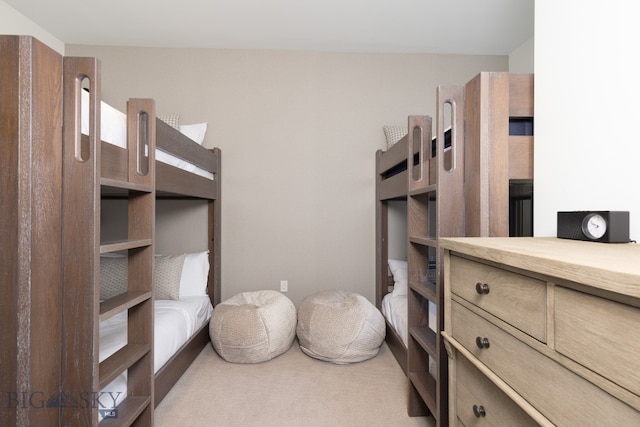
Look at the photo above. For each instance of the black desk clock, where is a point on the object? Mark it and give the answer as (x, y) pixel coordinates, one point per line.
(594, 226)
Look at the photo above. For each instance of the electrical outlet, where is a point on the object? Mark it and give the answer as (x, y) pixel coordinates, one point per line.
(284, 286)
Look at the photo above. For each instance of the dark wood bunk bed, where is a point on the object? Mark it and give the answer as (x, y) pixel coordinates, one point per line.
(474, 195)
(54, 179)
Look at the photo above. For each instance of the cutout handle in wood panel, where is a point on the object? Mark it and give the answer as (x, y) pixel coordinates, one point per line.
(450, 128)
(419, 153)
(142, 143)
(81, 107)
(450, 160)
(141, 137)
(83, 104)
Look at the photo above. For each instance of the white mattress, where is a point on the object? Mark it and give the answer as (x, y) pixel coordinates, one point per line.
(174, 323)
(395, 309)
(113, 129)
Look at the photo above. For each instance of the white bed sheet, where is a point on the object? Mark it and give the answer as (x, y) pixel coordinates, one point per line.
(113, 129)
(174, 323)
(395, 309)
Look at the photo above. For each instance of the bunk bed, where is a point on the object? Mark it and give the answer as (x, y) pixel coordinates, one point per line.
(122, 174)
(55, 177)
(392, 183)
(452, 189)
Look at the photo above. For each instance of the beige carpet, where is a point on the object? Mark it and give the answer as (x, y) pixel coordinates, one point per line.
(290, 390)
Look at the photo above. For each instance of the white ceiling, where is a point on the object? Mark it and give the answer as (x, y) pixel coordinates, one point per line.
(491, 27)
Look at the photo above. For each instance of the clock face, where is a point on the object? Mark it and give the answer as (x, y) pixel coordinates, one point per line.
(594, 226)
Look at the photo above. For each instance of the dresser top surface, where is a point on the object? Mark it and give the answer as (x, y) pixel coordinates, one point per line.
(613, 267)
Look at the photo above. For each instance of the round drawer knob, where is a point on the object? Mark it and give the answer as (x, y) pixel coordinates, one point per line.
(482, 342)
(482, 288)
(478, 411)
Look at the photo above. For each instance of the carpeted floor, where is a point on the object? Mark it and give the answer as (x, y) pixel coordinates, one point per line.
(290, 390)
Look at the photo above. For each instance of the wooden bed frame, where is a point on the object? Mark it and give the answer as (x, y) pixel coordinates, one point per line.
(174, 183)
(52, 183)
(492, 159)
(392, 183)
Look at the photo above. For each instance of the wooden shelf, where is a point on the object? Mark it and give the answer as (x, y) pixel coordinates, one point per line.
(427, 338)
(108, 184)
(424, 241)
(128, 411)
(426, 386)
(123, 245)
(122, 302)
(427, 290)
(420, 191)
(120, 361)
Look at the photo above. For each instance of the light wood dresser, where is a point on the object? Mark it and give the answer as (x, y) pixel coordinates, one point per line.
(542, 331)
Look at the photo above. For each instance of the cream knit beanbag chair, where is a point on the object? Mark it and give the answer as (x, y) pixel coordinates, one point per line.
(339, 327)
(253, 327)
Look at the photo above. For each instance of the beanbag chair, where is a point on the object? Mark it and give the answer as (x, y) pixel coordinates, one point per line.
(339, 327)
(253, 327)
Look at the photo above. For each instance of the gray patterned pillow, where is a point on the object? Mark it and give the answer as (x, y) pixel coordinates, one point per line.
(173, 120)
(168, 271)
(394, 134)
(113, 276)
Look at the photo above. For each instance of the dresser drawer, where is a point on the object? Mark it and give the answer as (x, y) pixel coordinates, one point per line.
(519, 300)
(479, 402)
(600, 334)
(565, 398)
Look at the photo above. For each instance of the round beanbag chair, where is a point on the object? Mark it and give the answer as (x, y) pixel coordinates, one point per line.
(253, 327)
(339, 327)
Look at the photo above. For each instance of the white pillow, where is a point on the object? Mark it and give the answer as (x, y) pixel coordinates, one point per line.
(398, 268)
(400, 276)
(196, 131)
(195, 272)
(400, 287)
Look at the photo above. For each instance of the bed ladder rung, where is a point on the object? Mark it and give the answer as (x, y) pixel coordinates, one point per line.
(123, 245)
(427, 338)
(120, 361)
(127, 411)
(122, 302)
(125, 185)
(425, 384)
(427, 290)
(423, 190)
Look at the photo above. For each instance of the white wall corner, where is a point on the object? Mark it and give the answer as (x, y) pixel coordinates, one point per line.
(521, 60)
(13, 22)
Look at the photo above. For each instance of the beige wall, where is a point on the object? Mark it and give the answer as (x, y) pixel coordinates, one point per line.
(298, 133)
(397, 233)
